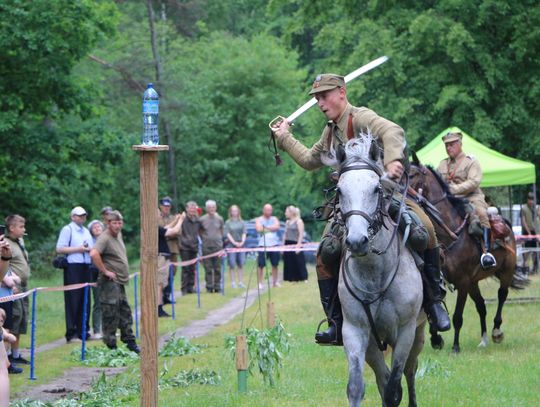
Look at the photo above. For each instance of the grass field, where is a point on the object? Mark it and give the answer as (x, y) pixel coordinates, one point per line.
(506, 374)
(50, 325)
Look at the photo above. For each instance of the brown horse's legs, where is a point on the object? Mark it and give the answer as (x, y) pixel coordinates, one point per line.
(457, 318)
(497, 335)
(474, 292)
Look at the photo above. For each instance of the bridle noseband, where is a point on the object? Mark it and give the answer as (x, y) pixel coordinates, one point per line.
(375, 219)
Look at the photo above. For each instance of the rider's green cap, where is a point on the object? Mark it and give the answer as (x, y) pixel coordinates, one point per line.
(327, 81)
(452, 136)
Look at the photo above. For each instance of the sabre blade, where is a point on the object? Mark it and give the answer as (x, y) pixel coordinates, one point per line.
(353, 75)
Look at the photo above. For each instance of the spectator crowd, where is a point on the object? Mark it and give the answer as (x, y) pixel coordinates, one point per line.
(94, 252)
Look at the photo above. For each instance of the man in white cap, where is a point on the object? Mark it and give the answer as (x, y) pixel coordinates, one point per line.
(75, 241)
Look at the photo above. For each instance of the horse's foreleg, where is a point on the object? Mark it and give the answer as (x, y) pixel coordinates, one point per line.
(497, 334)
(412, 363)
(474, 292)
(457, 318)
(355, 344)
(375, 359)
(405, 338)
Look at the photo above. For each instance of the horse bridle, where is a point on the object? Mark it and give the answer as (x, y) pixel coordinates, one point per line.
(375, 219)
(430, 207)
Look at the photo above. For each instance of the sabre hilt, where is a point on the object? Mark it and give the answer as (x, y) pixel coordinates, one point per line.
(277, 157)
(272, 125)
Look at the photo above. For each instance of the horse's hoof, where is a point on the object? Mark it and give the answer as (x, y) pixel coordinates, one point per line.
(497, 335)
(437, 342)
(483, 343)
(455, 349)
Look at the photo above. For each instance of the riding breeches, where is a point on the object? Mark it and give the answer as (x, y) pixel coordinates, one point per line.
(480, 208)
(418, 211)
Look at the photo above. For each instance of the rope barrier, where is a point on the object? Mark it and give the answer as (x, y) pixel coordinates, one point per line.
(86, 286)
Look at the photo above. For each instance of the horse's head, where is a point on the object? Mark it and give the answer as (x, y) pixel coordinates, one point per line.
(360, 191)
(426, 181)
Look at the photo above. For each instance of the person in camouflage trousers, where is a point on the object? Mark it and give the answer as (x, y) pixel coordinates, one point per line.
(110, 257)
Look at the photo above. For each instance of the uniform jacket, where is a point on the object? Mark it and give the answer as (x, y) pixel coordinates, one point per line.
(391, 136)
(172, 241)
(463, 175)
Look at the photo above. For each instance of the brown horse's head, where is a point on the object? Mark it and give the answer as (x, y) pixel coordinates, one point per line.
(429, 183)
(426, 181)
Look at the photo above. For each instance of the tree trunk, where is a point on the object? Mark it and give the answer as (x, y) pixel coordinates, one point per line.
(171, 165)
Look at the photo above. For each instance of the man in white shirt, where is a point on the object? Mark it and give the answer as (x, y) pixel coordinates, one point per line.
(75, 241)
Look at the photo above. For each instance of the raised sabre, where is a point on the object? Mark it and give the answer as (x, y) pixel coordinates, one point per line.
(306, 106)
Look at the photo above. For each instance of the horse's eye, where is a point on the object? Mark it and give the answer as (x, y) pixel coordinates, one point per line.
(377, 189)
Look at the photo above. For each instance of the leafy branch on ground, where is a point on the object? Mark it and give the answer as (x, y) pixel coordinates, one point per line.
(116, 391)
(185, 378)
(179, 347)
(431, 367)
(104, 392)
(101, 356)
(266, 350)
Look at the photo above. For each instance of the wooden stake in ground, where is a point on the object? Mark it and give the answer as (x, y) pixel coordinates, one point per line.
(242, 362)
(149, 247)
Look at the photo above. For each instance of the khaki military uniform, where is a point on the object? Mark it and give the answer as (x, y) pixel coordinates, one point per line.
(20, 267)
(116, 312)
(463, 175)
(172, 241)
(363, 120)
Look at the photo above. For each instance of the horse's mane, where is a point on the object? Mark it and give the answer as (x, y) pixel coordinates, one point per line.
(459, 204)
(365, 147)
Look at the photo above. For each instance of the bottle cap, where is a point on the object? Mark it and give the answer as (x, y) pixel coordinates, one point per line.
(150, 85)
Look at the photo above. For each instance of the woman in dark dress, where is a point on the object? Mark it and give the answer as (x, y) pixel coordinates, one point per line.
(294, 268)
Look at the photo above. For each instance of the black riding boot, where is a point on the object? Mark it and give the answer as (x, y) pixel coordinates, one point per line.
(431, 277)
(487, 260)
(332, 309)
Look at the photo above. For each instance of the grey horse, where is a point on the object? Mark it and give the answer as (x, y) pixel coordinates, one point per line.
(380, 271)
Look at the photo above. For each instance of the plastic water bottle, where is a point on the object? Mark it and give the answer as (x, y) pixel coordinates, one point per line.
(150, 110)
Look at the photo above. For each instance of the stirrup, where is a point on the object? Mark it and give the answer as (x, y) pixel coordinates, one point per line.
(334, 341)
(488, 257)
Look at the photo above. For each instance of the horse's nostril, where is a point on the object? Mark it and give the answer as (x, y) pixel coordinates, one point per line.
(363, 240)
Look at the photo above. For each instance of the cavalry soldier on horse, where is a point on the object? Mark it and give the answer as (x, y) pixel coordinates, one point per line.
(463, 174)
(345, 122)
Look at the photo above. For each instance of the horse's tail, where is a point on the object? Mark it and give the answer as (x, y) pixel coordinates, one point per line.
(519, 280)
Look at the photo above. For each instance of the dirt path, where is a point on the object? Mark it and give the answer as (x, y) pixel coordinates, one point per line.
(79, 379)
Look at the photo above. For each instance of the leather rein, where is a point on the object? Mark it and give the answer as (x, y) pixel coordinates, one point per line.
(431, 209)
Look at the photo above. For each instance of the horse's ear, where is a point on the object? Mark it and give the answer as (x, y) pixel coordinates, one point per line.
(374, 151)
(340, 153)
(415, 159)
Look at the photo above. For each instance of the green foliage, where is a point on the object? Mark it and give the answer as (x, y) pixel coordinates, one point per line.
(185, 378)
(113, 392)
(117, 391)
(101, 356)
(266, 350)
(179, 347)
(431, 367)
(67, 122)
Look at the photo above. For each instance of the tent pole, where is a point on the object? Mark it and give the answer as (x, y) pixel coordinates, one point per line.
(510, 205)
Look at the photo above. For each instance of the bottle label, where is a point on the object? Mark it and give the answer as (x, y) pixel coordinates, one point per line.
(150, 106)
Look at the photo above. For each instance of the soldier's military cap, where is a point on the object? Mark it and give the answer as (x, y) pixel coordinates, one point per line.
(327, 81)
(451, 137)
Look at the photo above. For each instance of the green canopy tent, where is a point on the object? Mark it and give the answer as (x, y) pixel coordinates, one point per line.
(498, 169)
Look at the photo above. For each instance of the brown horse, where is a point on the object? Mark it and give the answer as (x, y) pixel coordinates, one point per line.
(461, 255)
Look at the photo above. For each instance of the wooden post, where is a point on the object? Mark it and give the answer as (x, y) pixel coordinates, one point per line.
(149, 248)
(242, 362)
(271, 314)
